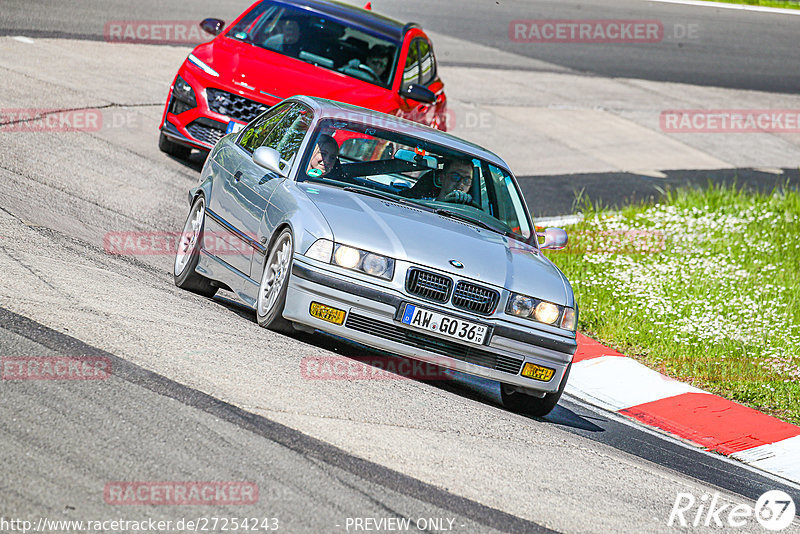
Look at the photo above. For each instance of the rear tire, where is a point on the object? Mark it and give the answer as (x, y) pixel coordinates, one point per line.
(530, 405)
(274, 285)
(172, 148)
(188, 253)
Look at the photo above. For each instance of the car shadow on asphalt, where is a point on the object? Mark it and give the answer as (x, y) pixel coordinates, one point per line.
(387, 366)
(195, 161)
(561, 415)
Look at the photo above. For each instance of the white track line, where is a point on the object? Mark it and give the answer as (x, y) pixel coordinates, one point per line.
(23, 39)
(781, 458)
(742, 7)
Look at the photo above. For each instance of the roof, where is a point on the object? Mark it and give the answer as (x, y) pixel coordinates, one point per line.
(336, 109)
(353, 16)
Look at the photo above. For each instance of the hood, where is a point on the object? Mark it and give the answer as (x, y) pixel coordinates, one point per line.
(407, 233)
(268, 76)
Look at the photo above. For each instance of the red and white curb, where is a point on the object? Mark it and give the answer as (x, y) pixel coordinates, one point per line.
(605, 378)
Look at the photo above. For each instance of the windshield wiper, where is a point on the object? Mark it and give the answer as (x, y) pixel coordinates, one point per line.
(466, 218)
(381, 195)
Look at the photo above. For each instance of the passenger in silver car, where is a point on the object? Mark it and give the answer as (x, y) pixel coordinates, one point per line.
(325, 159)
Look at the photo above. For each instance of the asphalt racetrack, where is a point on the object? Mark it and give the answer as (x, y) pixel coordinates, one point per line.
(198, 392)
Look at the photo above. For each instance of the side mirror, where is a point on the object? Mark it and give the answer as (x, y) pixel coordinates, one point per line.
(419, 93)
(212, 26)
(269, 158)
(554, 238)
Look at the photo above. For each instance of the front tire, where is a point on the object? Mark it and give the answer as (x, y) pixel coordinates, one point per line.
(274, 285)
(530, 405)
(188, 253)
(172, 148)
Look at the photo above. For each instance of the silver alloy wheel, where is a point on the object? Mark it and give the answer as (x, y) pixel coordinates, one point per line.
(188, 238)
(275, 274)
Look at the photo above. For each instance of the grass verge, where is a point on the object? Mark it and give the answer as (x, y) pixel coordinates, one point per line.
(703, 287)
(764, 3)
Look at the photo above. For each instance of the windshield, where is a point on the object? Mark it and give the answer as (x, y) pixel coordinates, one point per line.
(319, 41)
(401, 167)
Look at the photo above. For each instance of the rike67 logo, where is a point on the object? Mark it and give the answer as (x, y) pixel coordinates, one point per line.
(774, 511)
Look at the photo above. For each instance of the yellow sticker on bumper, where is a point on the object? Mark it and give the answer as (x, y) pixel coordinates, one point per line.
(537, 372)
(327, 313)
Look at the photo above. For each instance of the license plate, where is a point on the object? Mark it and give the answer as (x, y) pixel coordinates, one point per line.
(446, 325)
(234, 127)
(326, 313)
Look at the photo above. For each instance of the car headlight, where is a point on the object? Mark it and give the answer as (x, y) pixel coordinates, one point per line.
(364, 261)
(520, 305)
(352, 258)
(374, 264)
(181, 90)
(546, 312)
(347, 257)
(541, 311)
(194, 60)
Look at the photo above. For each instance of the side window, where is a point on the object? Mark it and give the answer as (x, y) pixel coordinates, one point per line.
(256, 133)
(411, 70)
(509, 206)
(427, 63)
(289, 132)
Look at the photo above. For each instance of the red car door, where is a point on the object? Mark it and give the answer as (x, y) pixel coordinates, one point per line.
(417, 65)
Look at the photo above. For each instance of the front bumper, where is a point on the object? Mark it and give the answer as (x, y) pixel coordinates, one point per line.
(203, 134)
(200, 126)
(372, 320)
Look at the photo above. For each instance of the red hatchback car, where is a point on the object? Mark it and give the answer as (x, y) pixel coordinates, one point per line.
(277, 49)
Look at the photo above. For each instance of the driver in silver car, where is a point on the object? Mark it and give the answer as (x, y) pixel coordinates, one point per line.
(451, 184)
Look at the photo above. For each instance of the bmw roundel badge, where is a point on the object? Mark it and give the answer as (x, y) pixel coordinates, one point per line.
(457, 264)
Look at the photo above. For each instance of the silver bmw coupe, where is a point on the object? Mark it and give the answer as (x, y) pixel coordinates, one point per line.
(325, 216)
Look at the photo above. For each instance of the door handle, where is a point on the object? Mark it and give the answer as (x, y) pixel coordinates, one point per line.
(237, 175)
